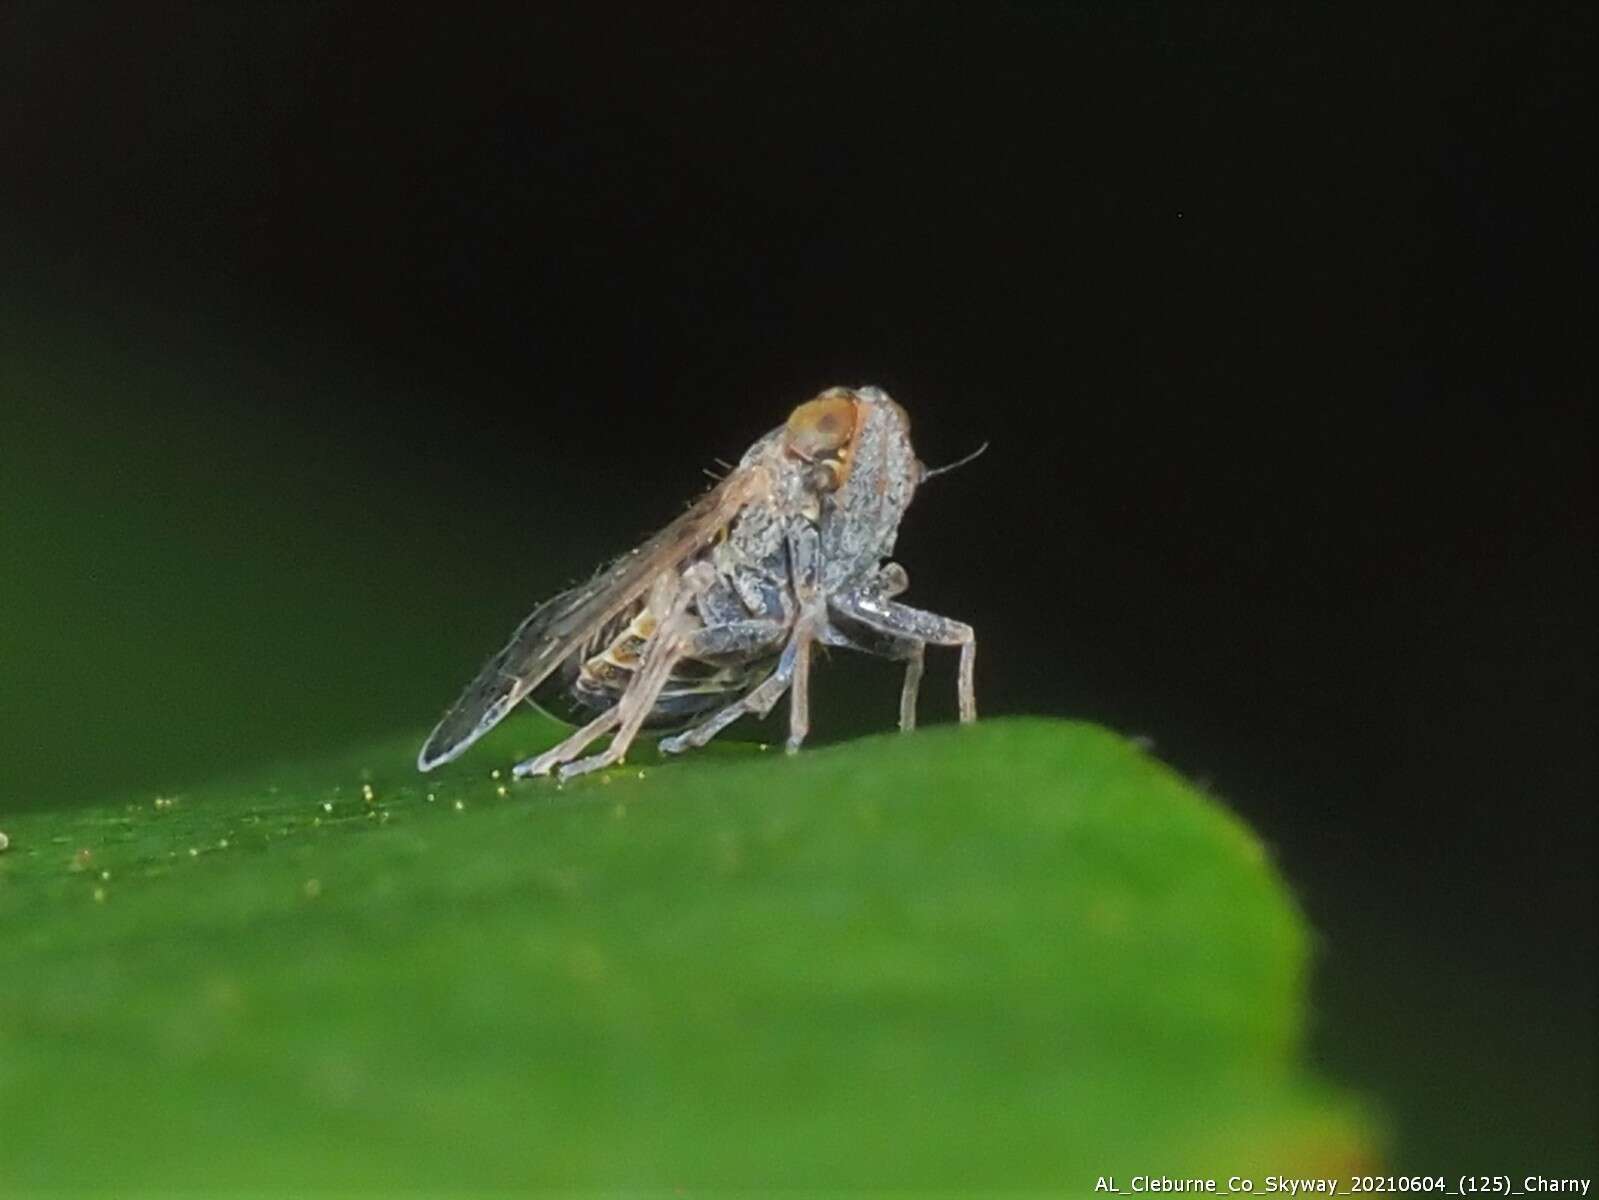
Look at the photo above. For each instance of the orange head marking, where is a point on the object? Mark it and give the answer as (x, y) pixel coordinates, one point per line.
(823, 431)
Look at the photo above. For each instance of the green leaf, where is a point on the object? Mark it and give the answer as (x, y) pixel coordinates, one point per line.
(1019, 954)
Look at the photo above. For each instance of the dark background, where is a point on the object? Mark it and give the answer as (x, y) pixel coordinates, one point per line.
(337, 335)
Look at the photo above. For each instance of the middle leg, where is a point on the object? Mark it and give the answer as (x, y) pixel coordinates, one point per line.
(757, 703)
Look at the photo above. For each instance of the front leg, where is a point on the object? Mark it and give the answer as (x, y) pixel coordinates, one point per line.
(911, 687)
(902, 623)
(910, 651)
(891, 581)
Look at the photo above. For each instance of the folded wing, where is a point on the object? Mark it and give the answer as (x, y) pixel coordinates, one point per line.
(559, 627)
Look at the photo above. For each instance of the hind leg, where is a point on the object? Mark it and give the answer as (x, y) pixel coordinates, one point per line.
(569, 749)
(672, 598)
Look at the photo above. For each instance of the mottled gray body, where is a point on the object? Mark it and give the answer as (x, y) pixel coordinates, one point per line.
(720, 610)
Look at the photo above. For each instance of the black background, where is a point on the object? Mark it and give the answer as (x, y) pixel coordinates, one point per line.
(1269, 315)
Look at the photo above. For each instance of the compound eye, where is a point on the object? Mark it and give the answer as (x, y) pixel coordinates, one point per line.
(823, 427)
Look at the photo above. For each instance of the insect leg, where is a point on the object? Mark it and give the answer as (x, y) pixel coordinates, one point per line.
(750, 638)
(911, 687)
(891, 580)
(805, 565)
(671, 642)
(758, 703)
(799, 699)
(909, 651)
(571, 747)
(662, 597)
(900, 621)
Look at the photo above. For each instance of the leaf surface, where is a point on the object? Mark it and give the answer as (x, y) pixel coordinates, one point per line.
(1019, 954)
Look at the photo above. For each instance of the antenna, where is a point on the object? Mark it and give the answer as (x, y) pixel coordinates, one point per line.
(929, 472)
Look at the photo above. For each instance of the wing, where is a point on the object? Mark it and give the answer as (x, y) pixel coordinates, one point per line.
(558, 627)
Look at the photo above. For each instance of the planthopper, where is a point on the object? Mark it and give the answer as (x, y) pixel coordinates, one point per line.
(714, 617)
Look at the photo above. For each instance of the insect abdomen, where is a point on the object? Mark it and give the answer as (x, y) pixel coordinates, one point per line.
(594, 678)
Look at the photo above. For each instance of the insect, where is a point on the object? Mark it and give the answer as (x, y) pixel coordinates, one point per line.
(715, 617)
